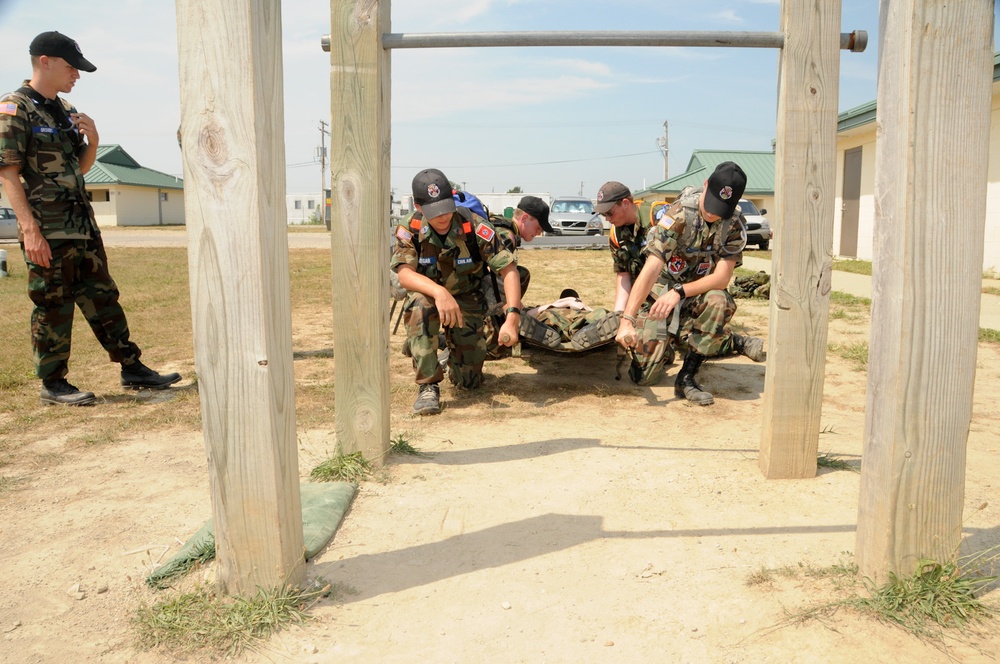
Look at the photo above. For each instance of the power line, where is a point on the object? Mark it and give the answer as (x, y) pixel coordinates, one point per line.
(543, 163)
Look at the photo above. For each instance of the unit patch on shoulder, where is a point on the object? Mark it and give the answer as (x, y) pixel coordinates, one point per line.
(485, 232)
(403, 234)
(8, 108)
(676, 265)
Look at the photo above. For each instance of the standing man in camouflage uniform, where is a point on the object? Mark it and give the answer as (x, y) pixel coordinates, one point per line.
(46, 147)
(699, 241)
(631, 224)
(441, 257)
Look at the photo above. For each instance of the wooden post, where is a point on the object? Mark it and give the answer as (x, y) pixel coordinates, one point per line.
(234, 183)
(359, 160)
(805, 182)
(934, 96)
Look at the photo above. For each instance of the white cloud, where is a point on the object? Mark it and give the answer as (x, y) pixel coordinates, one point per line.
(727, 16)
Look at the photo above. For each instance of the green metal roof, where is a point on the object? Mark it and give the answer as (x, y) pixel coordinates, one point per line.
(759, 167)
(114, 166)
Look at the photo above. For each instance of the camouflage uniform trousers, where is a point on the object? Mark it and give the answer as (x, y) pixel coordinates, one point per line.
(496, 317)
(702, 329)
(466, 345)
(77, 276)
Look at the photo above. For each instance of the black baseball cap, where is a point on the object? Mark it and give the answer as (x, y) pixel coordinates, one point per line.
(58, 45)
(724, 189)
(538, 209)
(609, 194)
(432, 192)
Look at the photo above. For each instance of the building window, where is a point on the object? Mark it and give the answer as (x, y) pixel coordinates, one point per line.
(312, 204)
(298, 205)
(163, 196)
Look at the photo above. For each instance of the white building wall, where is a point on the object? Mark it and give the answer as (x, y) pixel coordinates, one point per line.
(307, 204)
(991, 240)
(866, 204)
(137, 206)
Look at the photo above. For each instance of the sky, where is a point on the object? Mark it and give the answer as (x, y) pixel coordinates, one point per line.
(553, 120)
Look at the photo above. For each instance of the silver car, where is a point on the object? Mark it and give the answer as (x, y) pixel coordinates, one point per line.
(8, 224)
(574, 215)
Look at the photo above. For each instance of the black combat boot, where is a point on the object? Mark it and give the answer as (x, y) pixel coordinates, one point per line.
(428, 400)
(59, 391)
(752, 347)
(685, 386)
(137, 375)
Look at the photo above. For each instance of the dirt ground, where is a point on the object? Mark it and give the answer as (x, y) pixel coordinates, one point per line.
(563, 516)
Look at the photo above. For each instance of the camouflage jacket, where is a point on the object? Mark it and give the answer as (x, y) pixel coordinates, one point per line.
(507, 231)
(37, 135)
(627, 242)
(450, 260)
(689, 246)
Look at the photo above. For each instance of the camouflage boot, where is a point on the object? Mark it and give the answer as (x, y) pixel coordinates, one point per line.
(752, 347)
(538, 332)
(597, 332)
(428, 400)
(685, 386)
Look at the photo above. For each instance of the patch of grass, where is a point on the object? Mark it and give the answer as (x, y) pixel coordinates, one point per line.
(8, 483)
(400, 445)
(856, 352)
(848, 300)
(352, 468)
(759, 577)
(835, 462)
(203, 621)
(937, 595)
(991, 290)
(989, 336)
(853, 265)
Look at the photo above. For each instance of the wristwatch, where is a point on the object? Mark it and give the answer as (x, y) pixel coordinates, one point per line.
(679, 289)
(512, 310)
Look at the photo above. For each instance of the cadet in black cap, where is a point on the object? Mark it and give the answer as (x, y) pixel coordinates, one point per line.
(691, 254)
(530, 218)
(60, 240)
(442, 256)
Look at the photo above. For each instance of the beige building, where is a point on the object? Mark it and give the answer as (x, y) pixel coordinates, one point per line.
(854, 216)
(124, 193)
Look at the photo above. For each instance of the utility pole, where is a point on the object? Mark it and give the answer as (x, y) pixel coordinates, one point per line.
(581, 188)
(662, 143)
(322, 173)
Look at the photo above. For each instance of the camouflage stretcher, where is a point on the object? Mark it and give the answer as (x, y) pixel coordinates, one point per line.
(565, 330)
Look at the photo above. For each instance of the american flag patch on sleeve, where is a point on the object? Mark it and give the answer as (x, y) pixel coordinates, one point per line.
(403, 234)
(485, 232)
(8, 107)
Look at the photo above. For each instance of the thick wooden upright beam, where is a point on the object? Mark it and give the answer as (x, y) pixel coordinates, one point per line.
(934, 90)
(359, 159)
(805, 180)
(234, 184)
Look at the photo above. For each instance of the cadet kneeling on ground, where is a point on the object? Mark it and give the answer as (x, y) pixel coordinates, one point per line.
(699, 242)
(442, 262)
